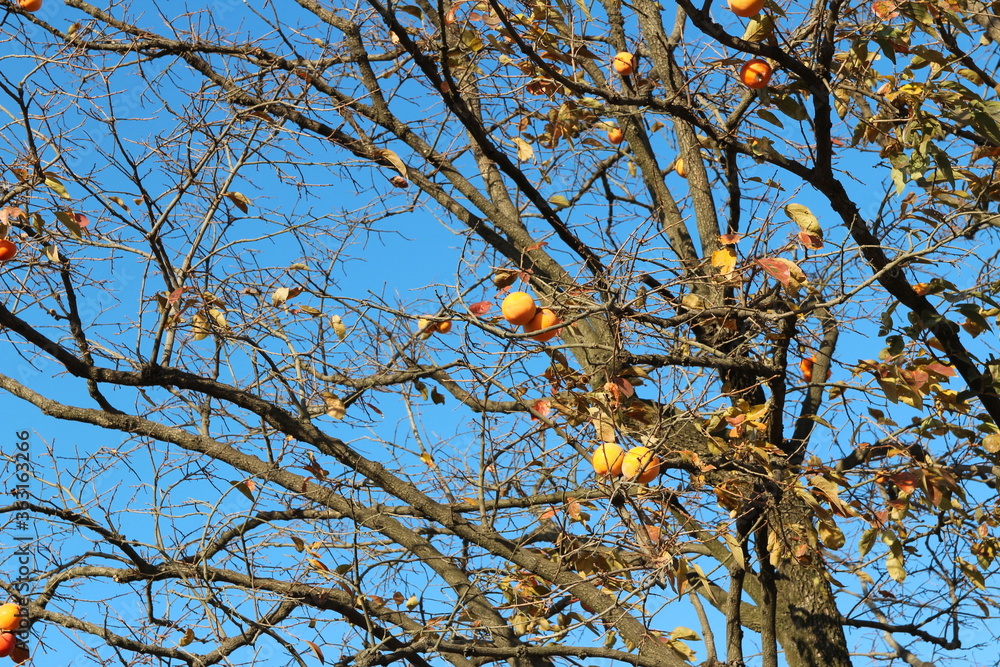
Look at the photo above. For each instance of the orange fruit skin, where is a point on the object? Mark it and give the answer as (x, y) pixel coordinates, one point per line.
(19, 655)
(7, 643)
(624, 63)
(607, 460)
(679, 168)
(806, 366)
(543, 319)
(7, 250)
(31, 5)
(755, 73)
(746, 8)
(10, 616)
(616, 136)
(518, 308)
(641, 464)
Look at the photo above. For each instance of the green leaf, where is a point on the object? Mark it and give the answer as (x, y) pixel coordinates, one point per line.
(867, 541)
(792, 108)
(764, 114)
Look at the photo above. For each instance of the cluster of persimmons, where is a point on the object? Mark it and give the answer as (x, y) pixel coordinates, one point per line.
(755, 73)
(11, 616)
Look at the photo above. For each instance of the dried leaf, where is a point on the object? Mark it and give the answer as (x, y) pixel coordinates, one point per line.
(480, 308)
(218, 317)
(785, 271)
(187, 638)
(199, 326)
(393, 159)
(334, 406)
(245, 487)
(315, 649)
(525, 153)
(283, 294)
(52, 254)
(603, 426)
(239, 199)
(338, 327)
(810, 241)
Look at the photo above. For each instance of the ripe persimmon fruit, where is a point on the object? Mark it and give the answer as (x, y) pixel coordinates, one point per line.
(30, 5)
(543, 319)
(624, 63)
(806, 367)
(607, 460)
(755, 73)
(641, 464)
(7, 643)
(746, 8)
(616, 136)
(7, 250)
(10, 616)
(444, 327)
(518, 308)
(679, 168)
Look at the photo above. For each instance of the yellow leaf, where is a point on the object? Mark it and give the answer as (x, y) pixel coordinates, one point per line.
(724, 260)
(338, 327)
(830, 534)
(218, 317)
(199, 326)
(525, 153)
(428, 460)
(804, 218)
(57, 187)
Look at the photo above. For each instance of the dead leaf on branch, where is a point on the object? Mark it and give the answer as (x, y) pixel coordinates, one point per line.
(786, 272)
(393, 158)
(334, 406)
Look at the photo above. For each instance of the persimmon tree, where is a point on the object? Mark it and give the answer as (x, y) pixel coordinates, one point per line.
(296, 464)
